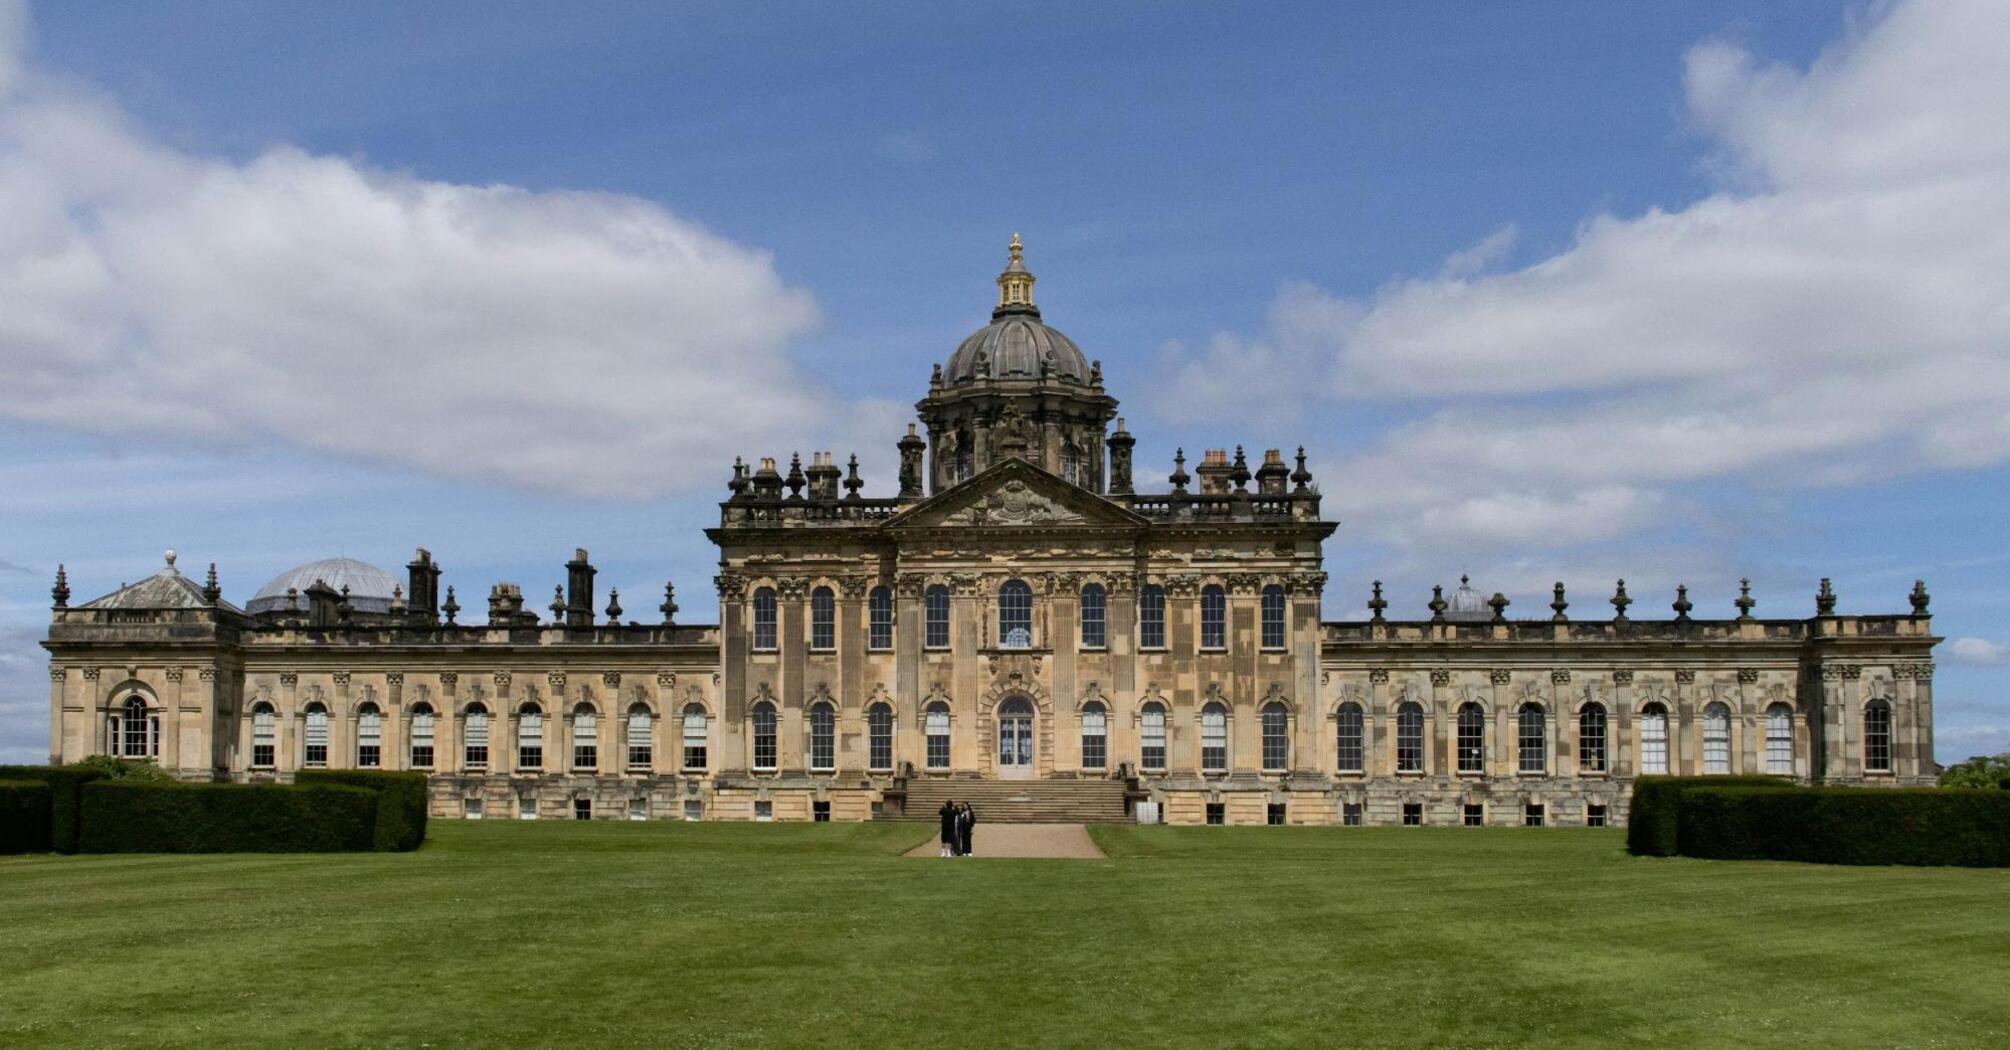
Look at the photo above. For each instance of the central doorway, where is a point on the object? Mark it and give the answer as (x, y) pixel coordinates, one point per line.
(1015, 739)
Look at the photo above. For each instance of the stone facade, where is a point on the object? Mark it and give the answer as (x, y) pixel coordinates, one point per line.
(1017, 611)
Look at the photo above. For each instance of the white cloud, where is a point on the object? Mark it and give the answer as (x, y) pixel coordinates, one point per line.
(576, 342)
(1979, 651)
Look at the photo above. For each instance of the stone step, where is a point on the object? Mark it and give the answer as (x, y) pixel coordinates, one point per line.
(1020, 801)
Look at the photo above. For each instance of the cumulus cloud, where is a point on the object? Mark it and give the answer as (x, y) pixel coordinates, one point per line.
(575, 342)
(1980, 652)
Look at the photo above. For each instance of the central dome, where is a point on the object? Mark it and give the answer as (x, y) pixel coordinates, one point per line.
(369, 586)
(1017, 344)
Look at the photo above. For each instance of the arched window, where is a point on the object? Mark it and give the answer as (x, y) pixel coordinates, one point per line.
(1653, 740)
(1152, 754)
(133, 732)
(1214, 737)
(369, 737)
(1877, 737)
(1532, 739)
(823, 620)
(1094, 617)
(641, 737)
(585, 737)
(1780, 739)
(1276, 737)
(936, 728)
(1015, 615)
(1716, 738)
(764, 619)
(1350, 723)
(1095, 736)
(1591, 738)
(1213, 617)
(695, 732)
(936, 599)
(422, 736)
(879, 737)
(1472, 738)
(1071, 465)
(965, 455)
(1273, 617)
(475, 738)
(823, 737)
(314, 737)
(263, 736)
(530, 737)
(1410, 737)
(764, 735)
(1152, 617)
(879, 618)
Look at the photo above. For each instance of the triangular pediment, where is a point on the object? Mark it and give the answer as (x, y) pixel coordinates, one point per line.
(1014, 492)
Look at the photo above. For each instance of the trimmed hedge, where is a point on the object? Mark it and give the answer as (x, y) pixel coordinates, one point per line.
(1653, 817)
(401, 802)
(65, 786)
(1841, 825)
(128, 817)
(24, 816)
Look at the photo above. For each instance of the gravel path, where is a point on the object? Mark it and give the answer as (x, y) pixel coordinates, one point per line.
(1022, 840)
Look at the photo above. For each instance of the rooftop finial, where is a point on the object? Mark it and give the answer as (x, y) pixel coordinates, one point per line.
(61, 591)
(170, 556)
(1015, 285)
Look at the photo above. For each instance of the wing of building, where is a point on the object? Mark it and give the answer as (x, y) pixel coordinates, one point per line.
(1020, 625)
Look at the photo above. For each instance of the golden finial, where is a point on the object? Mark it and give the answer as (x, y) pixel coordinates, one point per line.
(1015, 285)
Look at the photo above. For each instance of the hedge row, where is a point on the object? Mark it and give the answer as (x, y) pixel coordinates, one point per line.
(127, 817)
(1839, 825)
(65, 787)
(1653, 819)
(24, 816)
(401, 802)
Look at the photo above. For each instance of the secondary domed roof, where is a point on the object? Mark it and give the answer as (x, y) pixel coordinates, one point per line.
(1468, 605)
(369, 586)
(1017, 344)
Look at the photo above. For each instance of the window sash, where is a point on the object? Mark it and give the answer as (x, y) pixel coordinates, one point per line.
(1015, 615)
(1779, 741)
(879, 609)
(823, 620)
(1350, 725)
(1877, 738)
(369, 740)
(764, 619)
(1472, 734)
(695, 739)
(314, 739)
(823, 739)
(1273, 617)
(1276, 740)
(1213, 739)
(1532, 743)
(1213, 618)
(1095, 632)
(1152, 617)
(422, 740)
(1410, 739)
(937, 626)
(879, 738)
(1152, 739)
(1716, 739)
(764, 738)
(1591, 739)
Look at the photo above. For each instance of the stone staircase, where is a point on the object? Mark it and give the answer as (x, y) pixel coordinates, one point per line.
(1020, 801)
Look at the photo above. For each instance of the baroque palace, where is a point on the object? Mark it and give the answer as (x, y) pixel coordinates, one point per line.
(1020, 624)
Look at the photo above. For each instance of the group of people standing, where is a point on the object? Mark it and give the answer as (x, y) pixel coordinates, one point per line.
(957, 820)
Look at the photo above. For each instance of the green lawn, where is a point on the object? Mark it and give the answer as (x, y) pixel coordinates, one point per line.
(718, 935)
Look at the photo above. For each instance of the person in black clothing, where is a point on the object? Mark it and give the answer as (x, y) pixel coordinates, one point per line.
(951, 834)
(965, 822)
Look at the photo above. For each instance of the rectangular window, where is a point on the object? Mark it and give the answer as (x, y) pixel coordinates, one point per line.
(936, 626)
(261, 756)
(1094, 617)
(1654, 742)
(820, 812)
(1350, 729)
(582, 809)
(1152, 617)
(1213, 617)
(1217, 814)
(476, 754)
(1476, 815)
(1413, 814)
(1152, 739)
(879, 619)
(1274, 815)
(1531, 815)
(1213, 739)
(1591, 740)
(585, 750)
(1780, 740)
(1594, 816)
(764, 811)
(526, 809)
(693, 809)
(1350, 814)
(471, 809)
(1273, 617)
(638, 809)
(823, 620)
(937, 726)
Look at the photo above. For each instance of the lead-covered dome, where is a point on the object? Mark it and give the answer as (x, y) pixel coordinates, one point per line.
(369, 586)
(1468, 605)
(1017, 344)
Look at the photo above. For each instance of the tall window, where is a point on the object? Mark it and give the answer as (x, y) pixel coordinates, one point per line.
(936, 727)
(1591, 738)
(422, 737)
(314, 738)
(1095, 736)
(1213, 617)
(694, 736)
(1410, 738)
(764, 619)
(1472, 738)
(936, 599)
(1152, 617)
(1653, 739)
(823, 737)
(1532, 739)
(1780, 739)
(1273, 617)
(1094, 617)
(1015, 615)
(133, 733)
(1716, 738)
(369, 737)
(879, 618)
(1276, 737)
(1214, 737)
(530, 738)
(475, 738)
(263, 742)
(1071, 465)
(585, 737)
(879, 737)
(1877, 737)
(764, 735)
(823, 619)
(641, 737)
(1350, 725)
(1152, 753)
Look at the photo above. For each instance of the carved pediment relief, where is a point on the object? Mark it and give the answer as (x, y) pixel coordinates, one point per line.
(1014, 493)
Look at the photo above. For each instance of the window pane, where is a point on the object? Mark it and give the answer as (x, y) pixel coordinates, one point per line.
(1276, 737)
(937, 599)
(880, 616)
(764, 618)
(475, 753)
(1350, 726)
(1213, 618)
(1273, 617)
(369, 738)
(1591, 738)
(585, 738)
(1877, 737)
(422, 738)
(1093, 617)
(1472, 738)
(530, 739)
(695, 736)
(879, 725)
(263, 736)
(764, 735)
(1214, 738)
(1654, 739)
(1716, 739)
(1780, 739)
(823, 737)
(1410, 738)
(314, 738)
(1152, 617)
(823, 619)
(1015, 615)
(1095, 737)
(1533, 744)
(1154, 737)
(641, 742)
(938, 736)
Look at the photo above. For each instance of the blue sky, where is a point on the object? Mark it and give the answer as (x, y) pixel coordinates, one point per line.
(1550, 291)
